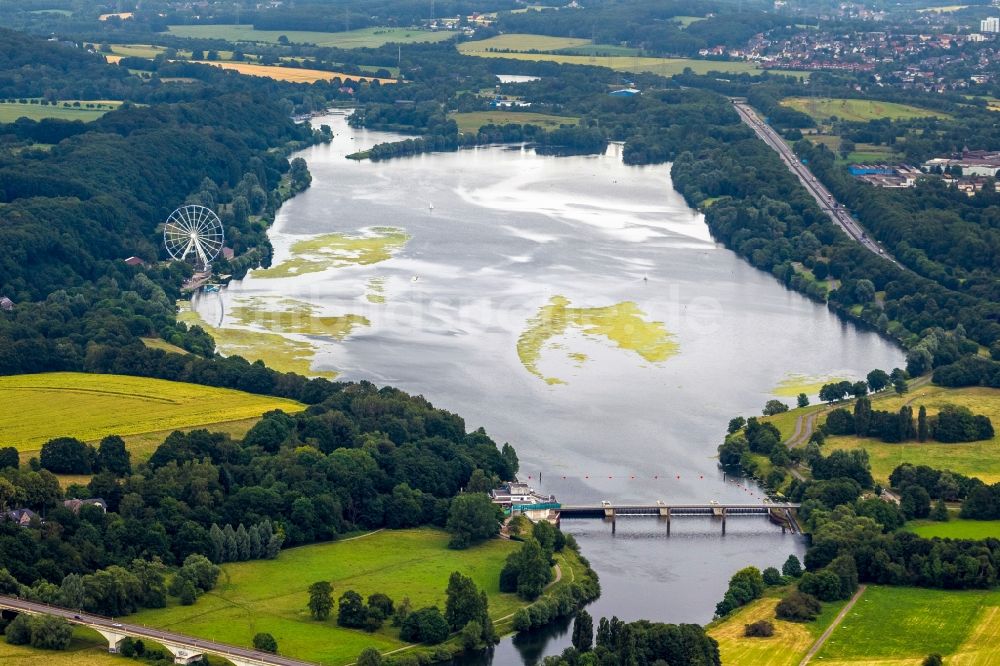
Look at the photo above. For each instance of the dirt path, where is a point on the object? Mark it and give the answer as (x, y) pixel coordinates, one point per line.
(833, 625)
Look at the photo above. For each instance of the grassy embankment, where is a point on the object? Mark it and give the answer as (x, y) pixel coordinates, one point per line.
(353, 39)
(517, 44)
(789, 644)
(902, 625)
(11, 111)
(271, 595)
(142, 410)
(473, 120)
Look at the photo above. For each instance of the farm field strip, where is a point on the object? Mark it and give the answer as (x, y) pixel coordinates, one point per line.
(293, 74)
(637, 64)
(353, 39)
(472, 121)
(90, 407)
(856, 110)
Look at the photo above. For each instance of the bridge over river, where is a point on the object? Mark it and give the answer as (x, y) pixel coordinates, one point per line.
(779, 513)
(185, 649)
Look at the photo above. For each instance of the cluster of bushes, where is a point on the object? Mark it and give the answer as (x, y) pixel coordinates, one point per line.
(354, 613)
(195, 577)
(621, 643)
(67, 455)
(746, 437)
(529, 570)
(40, 631)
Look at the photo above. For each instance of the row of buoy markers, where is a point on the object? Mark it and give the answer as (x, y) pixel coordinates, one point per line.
(677, 476)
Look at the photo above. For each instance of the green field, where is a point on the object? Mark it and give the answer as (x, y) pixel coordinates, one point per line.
(472, 121)
(11, 111)
(270, 595)
(856, 110)
(638, 64)
(789, 644)
(522, 42)
(956, 529)
(354, 39)
(980, 459)
(90, 407)
(902, 625)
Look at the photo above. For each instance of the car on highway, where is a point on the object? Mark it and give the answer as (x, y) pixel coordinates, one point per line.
(117, 624)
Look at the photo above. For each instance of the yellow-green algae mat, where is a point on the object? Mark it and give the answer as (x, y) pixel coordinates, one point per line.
(317, 254)
(623, 323)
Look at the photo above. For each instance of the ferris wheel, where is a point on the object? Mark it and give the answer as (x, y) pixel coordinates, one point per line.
(194, 232)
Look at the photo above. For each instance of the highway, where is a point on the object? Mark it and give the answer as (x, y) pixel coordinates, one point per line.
(238, 655)
(823, 196)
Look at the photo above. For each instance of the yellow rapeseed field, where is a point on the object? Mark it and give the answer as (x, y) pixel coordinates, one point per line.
(89, 407)
(295, 75)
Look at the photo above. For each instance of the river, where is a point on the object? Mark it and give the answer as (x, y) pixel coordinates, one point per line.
(574, 307)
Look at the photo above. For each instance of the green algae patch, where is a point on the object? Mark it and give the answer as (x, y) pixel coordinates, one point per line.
(376, 290)
(623, 324)
(291, 316)
(276, 351)
(793, 384)
(317, 254)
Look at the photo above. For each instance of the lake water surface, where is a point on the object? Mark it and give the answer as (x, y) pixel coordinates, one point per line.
(620, 388)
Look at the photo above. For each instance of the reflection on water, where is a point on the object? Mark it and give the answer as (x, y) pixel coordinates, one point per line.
(508, 231)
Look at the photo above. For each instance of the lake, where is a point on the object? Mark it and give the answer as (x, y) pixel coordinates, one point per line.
(574, 307)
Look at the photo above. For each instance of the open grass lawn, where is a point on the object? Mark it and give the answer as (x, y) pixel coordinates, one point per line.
(293, 74)
(472, 121)
(980, 459)
(522, 42)
(271, 595)
(622, 63)
(902, 625)
(353, 39)
(11, 111)
(89, 407)
(856, 110)
(789, 644)
(137, 50)
(956, 529)
(785, 422)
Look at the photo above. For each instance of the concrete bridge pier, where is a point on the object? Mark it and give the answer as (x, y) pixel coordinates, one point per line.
(609, 513)
(183, 655)
(114, 639)
(723, 521)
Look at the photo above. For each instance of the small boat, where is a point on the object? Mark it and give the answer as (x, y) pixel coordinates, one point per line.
(430, 206)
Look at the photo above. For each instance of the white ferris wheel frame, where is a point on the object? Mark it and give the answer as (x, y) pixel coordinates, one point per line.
(193, 229)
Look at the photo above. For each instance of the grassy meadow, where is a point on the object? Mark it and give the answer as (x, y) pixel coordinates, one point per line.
(88, 648)
(789, 644)
(625, 63)
(902, 625)
(856, 110)
(89, 407)
(353, 39)
(980, 459)
(956, 529)
(11, 111)
(292, 74)
(271, 596)
(522, 42)
(473, 120)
